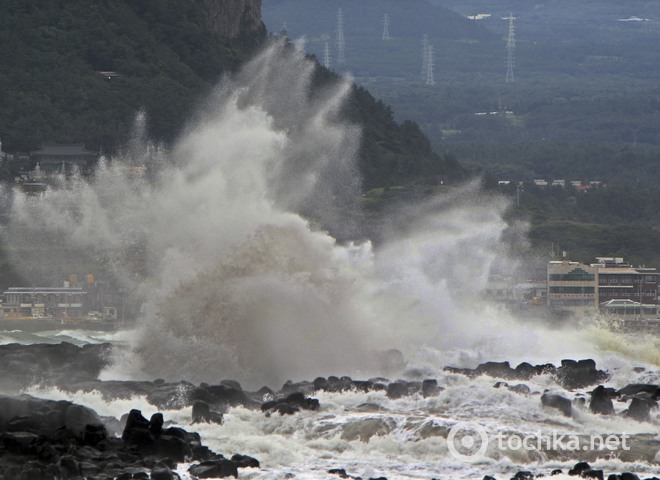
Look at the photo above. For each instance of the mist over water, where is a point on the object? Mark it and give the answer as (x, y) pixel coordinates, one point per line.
(226, 245)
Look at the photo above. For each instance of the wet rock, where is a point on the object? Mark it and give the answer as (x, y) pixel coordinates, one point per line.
(156, 424)
(639, 409)
(496, 369)
(245, 461)
(557, 401)
(592, 473)
(136, 430)
(201, 413)
(94, 434)
(232, 384)
(601, 401)
(523, 475)
(579, 468)
(401, 388)
(362, 386)
(521, 389)
(215, 468)
(468, 372)
(573, 374)
(341, 473)
(396, 390)
(220, 397)
(636, 388)
(76, 417)
(68, 467)
(525, 371)
(321, 383)
(556, 471)
(430, 387)
(291, 404)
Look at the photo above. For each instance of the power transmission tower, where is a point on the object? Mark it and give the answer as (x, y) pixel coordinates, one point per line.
(425, 55)
(326, 51)
(510, 49)
(341, 44)
(430, 62)
(386, 27)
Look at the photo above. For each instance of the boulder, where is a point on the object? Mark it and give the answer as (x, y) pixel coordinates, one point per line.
(201, 413)
(557, 401)
(573, 374)
(601, 401)
(639, 409)
(215, 468)
(244, 461)
(579, 468)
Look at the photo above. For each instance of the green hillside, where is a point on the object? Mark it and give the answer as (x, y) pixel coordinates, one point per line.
(165, 53)
(166, 57)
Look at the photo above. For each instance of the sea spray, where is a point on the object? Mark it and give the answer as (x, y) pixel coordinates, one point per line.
(226, 245)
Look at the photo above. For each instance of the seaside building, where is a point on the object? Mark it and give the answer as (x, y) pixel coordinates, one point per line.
(64, 158)
(609, 286)
(76, 300)
(572, 287)
(43, 302)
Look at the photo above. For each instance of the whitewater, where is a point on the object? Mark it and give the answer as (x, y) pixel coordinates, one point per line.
(229, 246)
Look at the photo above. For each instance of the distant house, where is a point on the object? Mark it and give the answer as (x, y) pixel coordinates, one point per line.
(559, 183)
(540, 182)
(108, 75)
(64, 158)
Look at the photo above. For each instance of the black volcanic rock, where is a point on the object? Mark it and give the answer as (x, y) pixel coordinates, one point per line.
(244, 461)
(63, 447)
(635, 388)
(557, 401)
(290, 404)
(579, 468)
(215, 468)
(497, 369)
(573, 374)
(202, 413)
(640, 409)
(601, 401)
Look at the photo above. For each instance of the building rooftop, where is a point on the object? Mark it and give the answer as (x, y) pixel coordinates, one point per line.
(72, 149)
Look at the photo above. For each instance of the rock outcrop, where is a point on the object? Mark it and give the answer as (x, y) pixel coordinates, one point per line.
(235, 18)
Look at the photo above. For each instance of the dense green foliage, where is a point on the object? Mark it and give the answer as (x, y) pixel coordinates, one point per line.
(608, 221)
(50, 51)
(168, 58)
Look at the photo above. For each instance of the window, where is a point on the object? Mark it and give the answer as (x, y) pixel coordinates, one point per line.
(573, 290)
(575, 275)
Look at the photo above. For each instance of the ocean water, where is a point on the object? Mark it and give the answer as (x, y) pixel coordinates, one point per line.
(229, 246)
(370, 435)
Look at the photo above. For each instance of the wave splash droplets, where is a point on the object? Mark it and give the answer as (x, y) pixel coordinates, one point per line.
(234, 281)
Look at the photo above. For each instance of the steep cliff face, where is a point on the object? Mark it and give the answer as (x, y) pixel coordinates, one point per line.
(235, 18)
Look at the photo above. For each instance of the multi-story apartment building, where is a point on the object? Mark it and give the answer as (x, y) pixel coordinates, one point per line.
(572, 287)
(610, 285)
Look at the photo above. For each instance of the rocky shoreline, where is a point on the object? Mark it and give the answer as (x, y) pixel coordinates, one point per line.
(46, 439)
